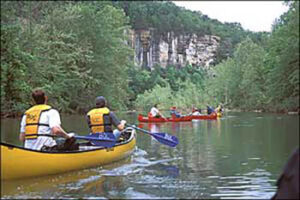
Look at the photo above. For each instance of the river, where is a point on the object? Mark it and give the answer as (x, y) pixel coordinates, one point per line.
(240, 155)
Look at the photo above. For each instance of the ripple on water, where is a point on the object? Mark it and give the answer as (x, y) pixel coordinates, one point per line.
(243, 125)
(252, 185)
(254, 158)
(130, 193)
(138, 164)
(230, 116)
(81, 182)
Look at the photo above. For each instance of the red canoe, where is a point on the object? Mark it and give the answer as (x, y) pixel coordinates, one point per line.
(142, 118)
(180, 119)
(211, 116)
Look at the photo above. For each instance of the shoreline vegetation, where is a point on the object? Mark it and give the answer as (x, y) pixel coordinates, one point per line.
(76, 51)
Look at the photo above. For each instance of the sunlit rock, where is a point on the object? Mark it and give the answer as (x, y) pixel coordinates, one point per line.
(151, 48)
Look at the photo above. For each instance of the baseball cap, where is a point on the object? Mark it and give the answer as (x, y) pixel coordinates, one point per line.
(100, 101)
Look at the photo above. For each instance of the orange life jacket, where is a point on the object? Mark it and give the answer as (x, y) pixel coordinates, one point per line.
(33, 115)
(98, 122)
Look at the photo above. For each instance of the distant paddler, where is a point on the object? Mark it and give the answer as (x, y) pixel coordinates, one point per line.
(174, 113)
(219, 110)
(210, 109)
(155, 113)
(196, 112)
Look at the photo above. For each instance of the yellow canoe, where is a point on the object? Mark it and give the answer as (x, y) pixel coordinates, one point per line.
(18, 162)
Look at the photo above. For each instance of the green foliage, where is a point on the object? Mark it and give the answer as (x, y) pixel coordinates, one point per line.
(13, 68)
(263, 75)
(187, 96)
(241, 80)
(283, 60)
(75, 51)
(181, 87)
(142, 80)
(159, 95)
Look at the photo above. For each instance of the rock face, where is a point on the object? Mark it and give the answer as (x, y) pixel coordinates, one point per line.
(170, 49)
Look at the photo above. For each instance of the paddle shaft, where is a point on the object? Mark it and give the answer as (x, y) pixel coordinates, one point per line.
(76, 137)
(163, 138)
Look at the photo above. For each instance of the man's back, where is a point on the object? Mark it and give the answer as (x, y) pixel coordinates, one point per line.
(154, 111)
(49, 118)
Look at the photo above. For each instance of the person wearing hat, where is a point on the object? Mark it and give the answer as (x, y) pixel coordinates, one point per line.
(174, 113)
(100, 119)
(43, 119)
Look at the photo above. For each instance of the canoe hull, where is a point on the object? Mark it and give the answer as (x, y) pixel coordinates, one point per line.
(205, 117)
(180, 119)
(142, 118)
(18, 162)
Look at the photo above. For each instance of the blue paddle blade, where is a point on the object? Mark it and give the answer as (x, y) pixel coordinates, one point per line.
(105, 139)
(164, 138)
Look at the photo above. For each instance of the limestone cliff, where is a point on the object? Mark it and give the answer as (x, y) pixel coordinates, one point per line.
(171, 49)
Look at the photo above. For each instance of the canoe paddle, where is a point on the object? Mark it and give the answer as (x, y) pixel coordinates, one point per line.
(104, 139)
(163, 138)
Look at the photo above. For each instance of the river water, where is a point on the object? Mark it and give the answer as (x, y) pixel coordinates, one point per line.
(240, 155)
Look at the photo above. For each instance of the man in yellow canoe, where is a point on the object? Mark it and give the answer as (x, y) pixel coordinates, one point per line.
(100, 119)
(43, 119)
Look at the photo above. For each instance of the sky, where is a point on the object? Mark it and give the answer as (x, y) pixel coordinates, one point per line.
(252, 15)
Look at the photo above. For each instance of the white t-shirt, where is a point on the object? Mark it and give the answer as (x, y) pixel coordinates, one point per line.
(50, 117)
(154, 111)
(196, 113)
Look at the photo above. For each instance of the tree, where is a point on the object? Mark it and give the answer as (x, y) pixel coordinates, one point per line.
(283, 60)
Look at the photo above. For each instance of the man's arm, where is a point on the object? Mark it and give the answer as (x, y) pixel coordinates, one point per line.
(54, 124)
(58, 130)
(160, 114)
(22, 129)
(87, 118)
(22, 137)
(119, 124)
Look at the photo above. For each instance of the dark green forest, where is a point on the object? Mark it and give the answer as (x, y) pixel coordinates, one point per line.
(78, 50)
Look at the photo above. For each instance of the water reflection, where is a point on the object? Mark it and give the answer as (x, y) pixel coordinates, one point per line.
(154, 128)
(61, 184)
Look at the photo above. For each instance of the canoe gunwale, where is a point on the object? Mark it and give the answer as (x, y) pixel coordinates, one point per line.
(11, 146)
